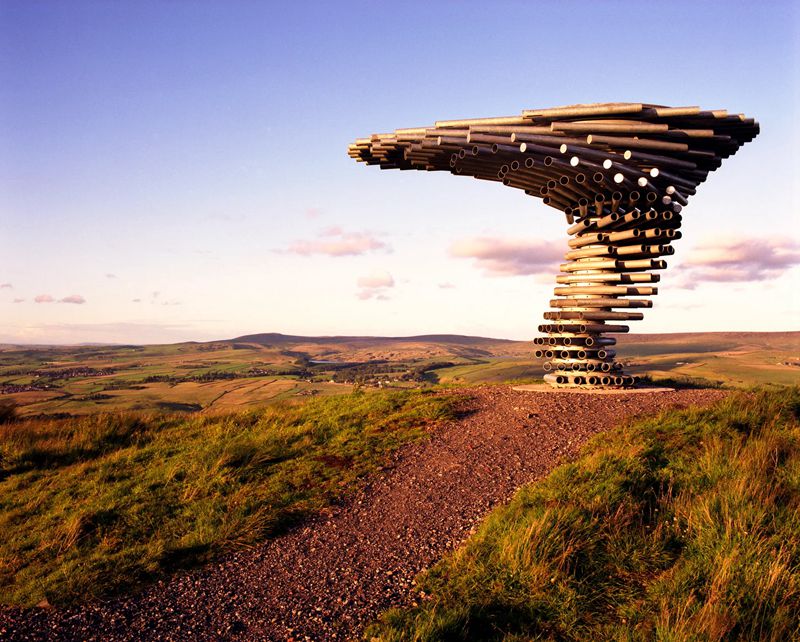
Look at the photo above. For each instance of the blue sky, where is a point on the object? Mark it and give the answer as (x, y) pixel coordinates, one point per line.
(181, 167)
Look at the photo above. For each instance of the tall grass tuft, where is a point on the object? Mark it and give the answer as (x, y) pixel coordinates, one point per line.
(682, 527)
(8, 412)
(98, 504)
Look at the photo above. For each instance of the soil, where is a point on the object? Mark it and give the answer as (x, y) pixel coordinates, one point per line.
(329, 578)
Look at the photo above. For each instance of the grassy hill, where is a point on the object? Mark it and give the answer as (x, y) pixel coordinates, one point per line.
(732, 358)
(256, 370)
(94, 505)
(682, 527)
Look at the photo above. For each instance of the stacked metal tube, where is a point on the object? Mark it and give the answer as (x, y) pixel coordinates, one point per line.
(620, 172)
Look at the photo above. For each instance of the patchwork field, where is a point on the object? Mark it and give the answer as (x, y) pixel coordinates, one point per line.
(257, 370)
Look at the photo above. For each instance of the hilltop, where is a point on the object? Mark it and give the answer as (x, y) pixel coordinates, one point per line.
(308, 521)
(364, 348)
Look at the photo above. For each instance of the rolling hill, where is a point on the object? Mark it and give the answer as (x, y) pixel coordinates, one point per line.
(258, 369)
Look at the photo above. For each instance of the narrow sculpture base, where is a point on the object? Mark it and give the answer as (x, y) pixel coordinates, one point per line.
(543, 387)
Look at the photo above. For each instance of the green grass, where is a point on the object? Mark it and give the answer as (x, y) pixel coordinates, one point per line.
(734, 360)
(492, 370)
(90, 506)
(682, 527)
(679, 382)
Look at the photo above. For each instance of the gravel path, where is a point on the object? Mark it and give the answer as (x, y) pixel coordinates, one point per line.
(328, 579)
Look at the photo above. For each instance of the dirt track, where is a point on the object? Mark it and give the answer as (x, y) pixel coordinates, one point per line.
(329, 578)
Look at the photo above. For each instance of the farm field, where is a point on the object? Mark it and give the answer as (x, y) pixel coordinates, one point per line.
(257, 370)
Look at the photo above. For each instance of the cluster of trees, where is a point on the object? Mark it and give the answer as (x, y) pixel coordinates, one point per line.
(73, 373)
(215, 375)
(9, 388)
(374, 373)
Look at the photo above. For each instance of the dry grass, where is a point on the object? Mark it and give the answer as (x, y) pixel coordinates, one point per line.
(99, 504)
(684, 527)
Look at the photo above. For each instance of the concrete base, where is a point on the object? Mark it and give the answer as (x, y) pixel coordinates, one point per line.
(543, 387)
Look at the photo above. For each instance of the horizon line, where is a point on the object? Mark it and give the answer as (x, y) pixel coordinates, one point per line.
(86, 344)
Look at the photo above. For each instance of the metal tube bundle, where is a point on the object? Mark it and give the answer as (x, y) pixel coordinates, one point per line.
(621, 174)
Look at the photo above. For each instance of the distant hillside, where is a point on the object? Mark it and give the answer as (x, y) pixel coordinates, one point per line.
(427, 345)
(258, 369)
(278, 339)
(449, 346)
(275, 338)
(364, 348)
(731, 338)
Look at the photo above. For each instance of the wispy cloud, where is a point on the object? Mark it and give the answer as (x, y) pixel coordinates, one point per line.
(110, 276)
(334, 241)
(313, 212)
(95, 332)
(77, 299)
(446, 286)
(6, 286)
(155, 298)
(735, 259)
(375, 285)
(509, 257)
(18, 300)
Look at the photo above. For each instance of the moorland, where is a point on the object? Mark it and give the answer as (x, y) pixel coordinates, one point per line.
(125, 467)
(256, 370)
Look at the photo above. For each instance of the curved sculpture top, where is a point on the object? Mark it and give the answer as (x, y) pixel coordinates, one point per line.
(621, 172)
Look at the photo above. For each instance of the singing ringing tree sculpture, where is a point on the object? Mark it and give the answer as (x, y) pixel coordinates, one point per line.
(620, 172)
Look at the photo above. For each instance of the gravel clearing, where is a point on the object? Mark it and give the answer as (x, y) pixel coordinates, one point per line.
(327, 579)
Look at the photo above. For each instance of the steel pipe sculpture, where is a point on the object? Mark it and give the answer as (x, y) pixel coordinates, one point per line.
(620, 172)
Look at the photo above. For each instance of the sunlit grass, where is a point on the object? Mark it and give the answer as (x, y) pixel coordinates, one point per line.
(683, 527)
(94, 505)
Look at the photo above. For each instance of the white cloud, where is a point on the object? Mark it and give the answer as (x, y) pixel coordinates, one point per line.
(381, 279)
(334, 241)
(732, 259)
(509, 257)
(375, 285)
